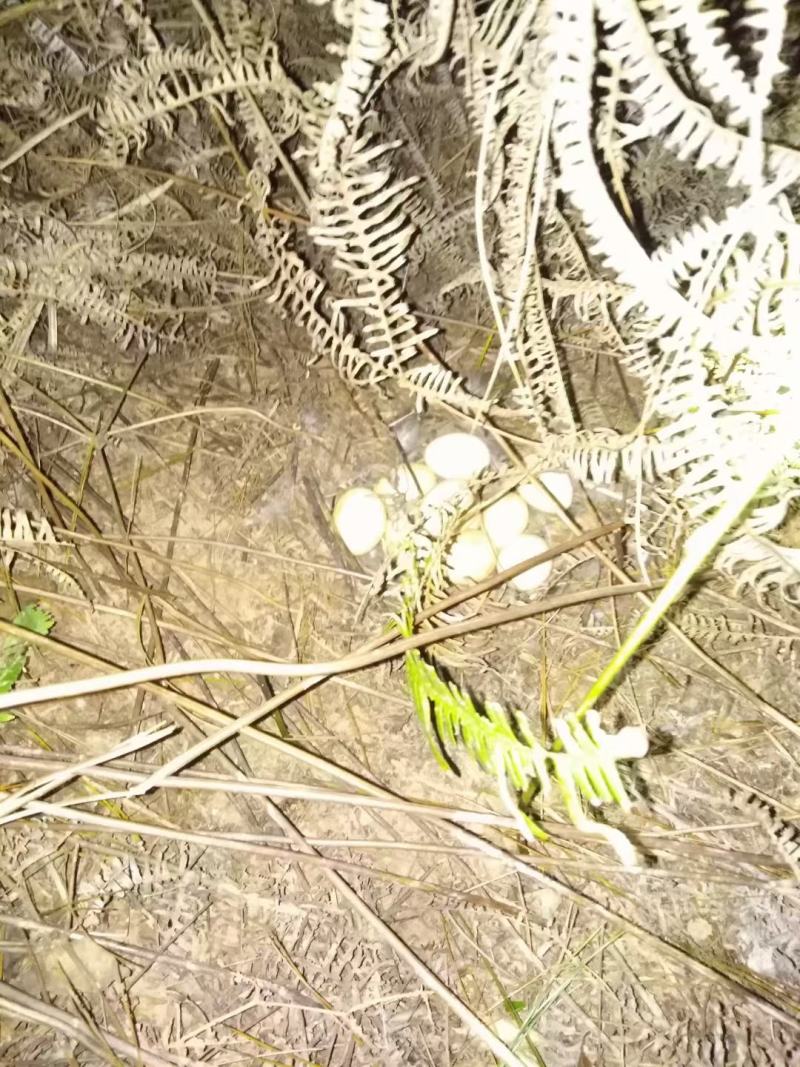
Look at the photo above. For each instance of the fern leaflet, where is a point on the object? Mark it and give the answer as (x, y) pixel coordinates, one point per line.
(583, 764)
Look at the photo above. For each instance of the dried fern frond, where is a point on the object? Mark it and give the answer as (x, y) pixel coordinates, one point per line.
(174, 272)
(612, 241)
(711, 61)
(151, 91)
(15, 331)
(138, 23)
(241, 30)
(667, 112)
(478, 44)
(760, 564)
(766, 19)
(300, 292)
(714, 298)
(43, 81)
(723, 407)
(544, 394)
(601, 456)
(360, 216)
(26, 81)
(28, 538)
(439, 18)
(445, 238)
(784, 834)
(368, 46)
(89, 300)
(97, 278)
(16, 526)
(431, 381)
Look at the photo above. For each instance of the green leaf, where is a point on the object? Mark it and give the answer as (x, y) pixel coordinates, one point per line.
(36, 619)
(14, 650)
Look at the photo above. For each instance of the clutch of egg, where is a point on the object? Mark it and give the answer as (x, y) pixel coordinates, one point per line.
(497, 539)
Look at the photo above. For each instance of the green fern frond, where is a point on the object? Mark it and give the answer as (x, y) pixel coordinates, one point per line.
(583, 764)
(14, 650)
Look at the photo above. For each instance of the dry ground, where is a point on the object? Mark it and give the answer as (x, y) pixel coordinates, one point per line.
(208, 469)
(205, 947)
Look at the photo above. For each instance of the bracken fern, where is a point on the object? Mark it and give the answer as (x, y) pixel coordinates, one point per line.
(582, 763)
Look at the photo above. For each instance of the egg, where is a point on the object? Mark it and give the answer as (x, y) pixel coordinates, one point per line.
(521, 548)
(505, 519)
(360, 520)
(560, 485)
(403, 483)
(457, 455)
(446, 498)
(414, 483)
(471, 557)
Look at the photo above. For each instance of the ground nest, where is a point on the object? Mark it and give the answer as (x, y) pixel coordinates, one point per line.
(312, 888)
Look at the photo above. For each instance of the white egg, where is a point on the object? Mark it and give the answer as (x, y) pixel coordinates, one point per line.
(401, 482)
(445, 499)
(471, 557)
(506, 519)
(457, 455)
(383, 487)
(414, 485)
(360, 520)
(560, 485)
(524, 547)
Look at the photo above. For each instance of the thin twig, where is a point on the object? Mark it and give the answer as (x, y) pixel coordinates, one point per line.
(185, 668)
(426, 975)
(192, 413)
(43, 134)
(20, 1005)
(246, 843)
(74, 770)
